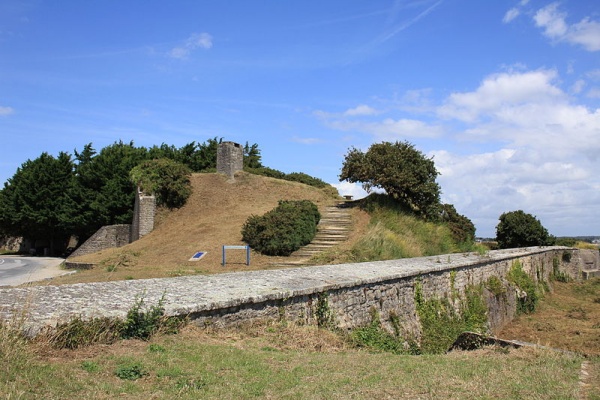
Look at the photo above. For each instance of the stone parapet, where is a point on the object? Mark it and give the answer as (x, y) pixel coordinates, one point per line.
(353, 291)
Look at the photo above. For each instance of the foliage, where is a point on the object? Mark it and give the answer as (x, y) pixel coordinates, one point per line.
(252, 156)
(462, 228)
(565, 241)
(393, 233)
(306, 179)
(516, 275)
(79, 333)
(495, 286)
(131, 371)
(49, 199)
(375, 337)
(323, 313)
(283, 230)
(168, 180)
(140, 324)
(441, 324)
(41, 201)
(519, 229)
(557, 274)
(293, 177)
(401, 170)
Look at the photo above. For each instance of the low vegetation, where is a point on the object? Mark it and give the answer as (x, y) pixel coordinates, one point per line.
(283, 230)
(279, 360)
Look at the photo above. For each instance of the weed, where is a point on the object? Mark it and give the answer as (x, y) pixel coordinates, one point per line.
(524, 282)
(111, 268)
(441, 323)
(79, 332)
(90, 366)
(495, 286)
(143, 324)
(323, 312)
(156, 348)
(373, 336)
(557, 274)
(131, 371)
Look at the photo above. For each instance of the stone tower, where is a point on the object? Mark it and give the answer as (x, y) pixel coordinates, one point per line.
(143, 215)
(230, 158)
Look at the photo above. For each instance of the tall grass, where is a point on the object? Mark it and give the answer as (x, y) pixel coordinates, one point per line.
(396, 233)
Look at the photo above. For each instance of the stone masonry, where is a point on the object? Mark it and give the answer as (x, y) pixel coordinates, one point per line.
(352, 291)
(111, 236)
(230, 158)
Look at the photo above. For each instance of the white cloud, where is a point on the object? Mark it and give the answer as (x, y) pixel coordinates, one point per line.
(519, 142)
(195, 41)
(511, 15)
(499, 91)
(350, 189)
(578, 86)
(4, 111)
(389, 129)
(585, 33)
(361, 110)
(301, 140)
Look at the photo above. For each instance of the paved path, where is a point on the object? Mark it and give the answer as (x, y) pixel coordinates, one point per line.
(17, 270)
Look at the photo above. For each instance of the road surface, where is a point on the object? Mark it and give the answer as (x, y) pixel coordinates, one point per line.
(16, 270)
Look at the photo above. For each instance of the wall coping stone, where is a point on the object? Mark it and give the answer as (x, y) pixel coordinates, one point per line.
(51, 305)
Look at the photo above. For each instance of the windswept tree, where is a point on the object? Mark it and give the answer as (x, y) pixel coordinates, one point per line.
(405, 173)
(520, 229)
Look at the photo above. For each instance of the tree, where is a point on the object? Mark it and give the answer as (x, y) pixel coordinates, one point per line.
(462, 228)
(252, 156)
(401, 170)
(40, 202)
(168, 180)
(519, 229)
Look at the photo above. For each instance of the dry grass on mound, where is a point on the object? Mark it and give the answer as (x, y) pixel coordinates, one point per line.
(212, 217)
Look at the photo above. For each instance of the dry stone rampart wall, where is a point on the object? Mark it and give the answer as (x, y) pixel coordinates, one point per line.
(351, 291)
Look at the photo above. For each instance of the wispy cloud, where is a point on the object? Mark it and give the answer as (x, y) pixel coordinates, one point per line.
(195, 41)
(5, 111)
(399, 27)
(514, 12)
(307, 141)
(511, 15)
(552, 20)
(360, 111)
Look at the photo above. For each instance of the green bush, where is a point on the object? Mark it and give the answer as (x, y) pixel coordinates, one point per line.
(306, 179)
(168, 180)
(283, 230)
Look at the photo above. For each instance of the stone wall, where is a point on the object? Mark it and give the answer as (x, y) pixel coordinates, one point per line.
(111, 236)
(105, 238)
(230, 158)
(352, 291)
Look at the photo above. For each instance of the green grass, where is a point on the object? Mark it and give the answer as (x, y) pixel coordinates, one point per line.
(394, 233)
(242, 366)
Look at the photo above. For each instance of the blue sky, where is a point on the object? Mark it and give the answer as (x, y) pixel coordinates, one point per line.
(505, 95)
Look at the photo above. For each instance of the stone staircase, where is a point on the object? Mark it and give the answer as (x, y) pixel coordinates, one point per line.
(333, 229)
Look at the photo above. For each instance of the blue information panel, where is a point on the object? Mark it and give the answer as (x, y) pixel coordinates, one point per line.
(197, 256)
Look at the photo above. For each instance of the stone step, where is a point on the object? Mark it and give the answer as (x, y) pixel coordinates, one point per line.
(329, 240)
(333, 229)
